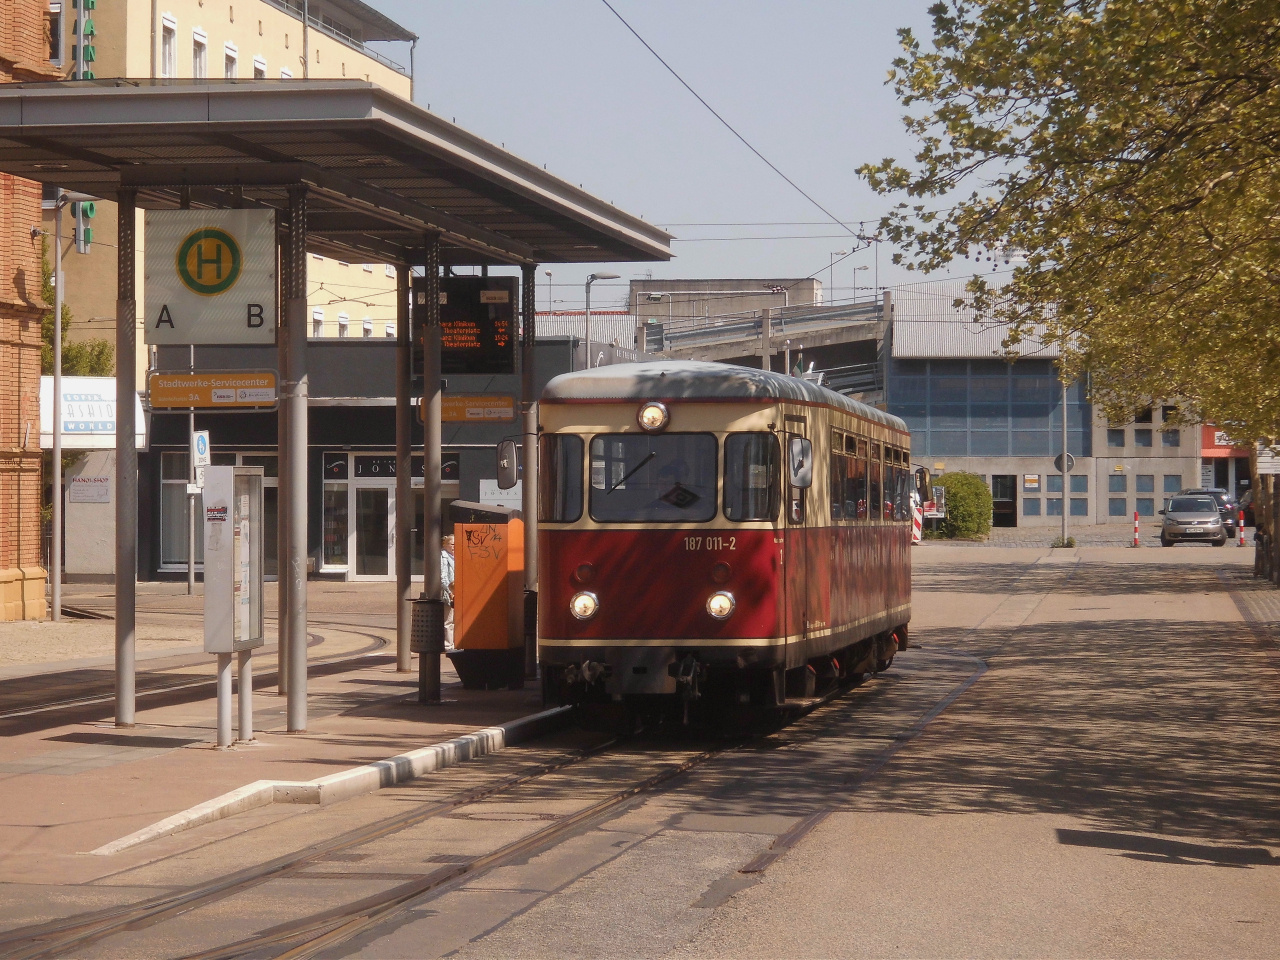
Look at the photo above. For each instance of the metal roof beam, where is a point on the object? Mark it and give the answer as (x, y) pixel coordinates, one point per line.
(352, 195)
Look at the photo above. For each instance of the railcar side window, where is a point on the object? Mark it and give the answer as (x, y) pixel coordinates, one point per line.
(752, 488)
(559, 478)
(855, 489)
(876, 501)
(839, 476)
(663, 478)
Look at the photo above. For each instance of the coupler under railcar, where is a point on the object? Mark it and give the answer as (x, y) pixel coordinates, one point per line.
(669, 684)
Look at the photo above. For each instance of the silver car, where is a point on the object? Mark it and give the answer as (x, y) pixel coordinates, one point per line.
(1190, 518)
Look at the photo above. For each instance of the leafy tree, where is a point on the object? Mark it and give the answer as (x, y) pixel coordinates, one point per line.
(968, 506)
(85, 358)
(1123, 153)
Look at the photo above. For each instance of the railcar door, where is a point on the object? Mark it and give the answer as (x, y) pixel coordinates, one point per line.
(797, 549)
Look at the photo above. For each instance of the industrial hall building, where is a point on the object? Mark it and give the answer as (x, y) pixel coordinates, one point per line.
(973, 406)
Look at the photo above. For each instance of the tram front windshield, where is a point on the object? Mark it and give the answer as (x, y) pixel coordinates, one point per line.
(667, 478)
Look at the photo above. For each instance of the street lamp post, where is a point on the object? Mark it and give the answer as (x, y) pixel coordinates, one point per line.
(831, 271)
(587, 332)
(549, 302)
(855, 280)
(1066, 502)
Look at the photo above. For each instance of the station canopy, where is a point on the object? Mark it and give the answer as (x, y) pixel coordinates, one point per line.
(381, 172)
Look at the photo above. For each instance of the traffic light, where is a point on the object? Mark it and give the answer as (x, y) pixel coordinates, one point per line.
(83, 211)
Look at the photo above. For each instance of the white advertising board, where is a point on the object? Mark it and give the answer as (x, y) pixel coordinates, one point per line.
(88, 414)
(232, 559)
(210, 276)
(490, 492)
(89, 490)
(1268, 459)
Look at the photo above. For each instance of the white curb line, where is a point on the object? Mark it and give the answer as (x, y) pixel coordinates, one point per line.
(349, 783)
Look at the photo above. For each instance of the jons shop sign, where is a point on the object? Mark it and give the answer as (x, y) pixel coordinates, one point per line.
(210, 277)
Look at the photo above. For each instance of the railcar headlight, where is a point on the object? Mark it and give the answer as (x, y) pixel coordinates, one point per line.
(584, 605)
(720, 605)
(653, 417)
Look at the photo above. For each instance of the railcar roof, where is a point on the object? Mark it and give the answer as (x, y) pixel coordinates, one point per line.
(699, 380)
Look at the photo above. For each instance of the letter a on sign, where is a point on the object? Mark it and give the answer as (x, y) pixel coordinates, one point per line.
(213, 274)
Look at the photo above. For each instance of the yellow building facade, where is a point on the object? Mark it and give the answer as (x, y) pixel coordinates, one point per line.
(242, 39)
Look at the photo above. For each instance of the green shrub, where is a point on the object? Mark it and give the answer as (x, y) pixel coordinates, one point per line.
(968, 506)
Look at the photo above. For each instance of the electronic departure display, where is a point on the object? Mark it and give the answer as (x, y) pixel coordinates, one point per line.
(477, 323)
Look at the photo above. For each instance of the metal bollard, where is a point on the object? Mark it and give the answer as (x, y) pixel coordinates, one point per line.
(426, 638)
(244, 690)
(224, 700)
(1136, 542)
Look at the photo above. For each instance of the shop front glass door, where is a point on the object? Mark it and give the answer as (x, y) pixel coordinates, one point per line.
(374, 510)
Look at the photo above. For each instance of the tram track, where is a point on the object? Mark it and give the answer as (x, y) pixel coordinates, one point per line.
(308, 935)
(145, 689)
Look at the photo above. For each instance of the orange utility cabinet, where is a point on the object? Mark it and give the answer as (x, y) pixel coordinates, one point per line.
(488, 595)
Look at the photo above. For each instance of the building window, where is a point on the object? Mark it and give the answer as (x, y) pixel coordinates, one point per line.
(168, 48)
(391, 271)
(1079, 483)
(1146, 507)
(1171, 437)
(366, 327)
(286, 73)
(1142, 438)
(230, 61)
(1117, 483)
(1168, 413)
(199, 55)
(1031, 506)
(344, 324)
(173, 512)
(1053, 507)
(1172, 482)
(1146, 483)
(259, 68)
(1144, 416)
(390, 330)
(53, 33)
(1053, 483)
(1079, 506)
(367, 267)
(1115, 438)
(1118, 506)
(317, 322)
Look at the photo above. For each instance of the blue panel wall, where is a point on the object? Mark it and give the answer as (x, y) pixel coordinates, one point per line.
(988, 408)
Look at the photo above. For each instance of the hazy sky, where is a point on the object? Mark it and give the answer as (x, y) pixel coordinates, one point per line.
(562, 82)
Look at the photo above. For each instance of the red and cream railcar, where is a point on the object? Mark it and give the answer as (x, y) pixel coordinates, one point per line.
(717, 533)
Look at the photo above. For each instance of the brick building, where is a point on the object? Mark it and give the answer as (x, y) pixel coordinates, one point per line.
(24, 55)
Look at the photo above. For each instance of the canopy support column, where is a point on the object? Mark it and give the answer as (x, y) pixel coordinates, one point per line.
(282, 469)
(529, 500)
(432, 522)
(295, 496)
(126, 458)
(404, 475)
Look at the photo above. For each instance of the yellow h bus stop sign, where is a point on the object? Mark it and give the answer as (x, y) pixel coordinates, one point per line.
(210, 276)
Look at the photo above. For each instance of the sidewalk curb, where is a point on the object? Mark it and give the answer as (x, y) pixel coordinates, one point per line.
(349, 783)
